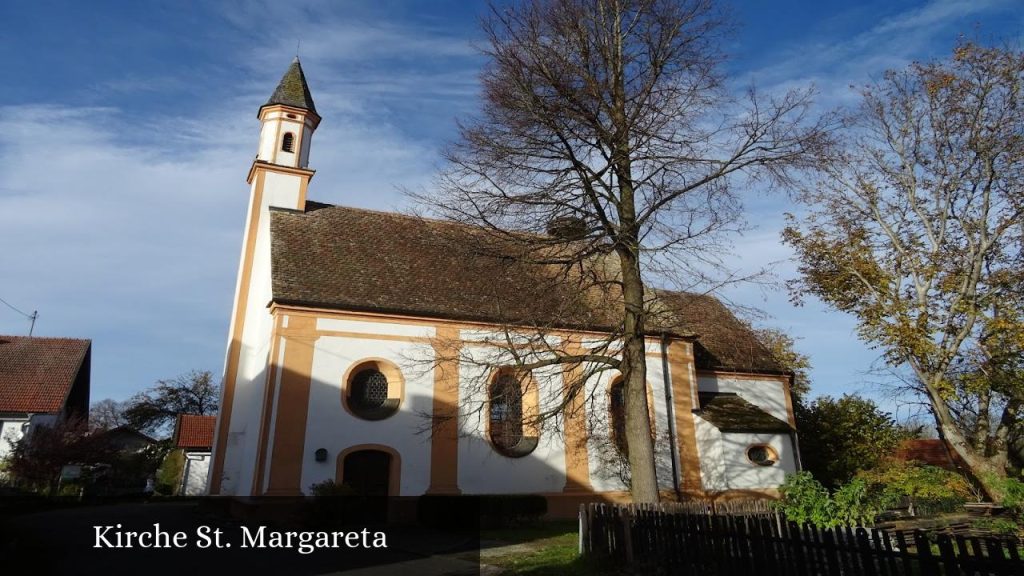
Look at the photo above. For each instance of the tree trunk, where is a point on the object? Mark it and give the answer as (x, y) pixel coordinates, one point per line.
(983, 469)
(643, 477)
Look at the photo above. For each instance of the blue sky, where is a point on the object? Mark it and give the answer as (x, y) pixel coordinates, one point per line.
(127, 129)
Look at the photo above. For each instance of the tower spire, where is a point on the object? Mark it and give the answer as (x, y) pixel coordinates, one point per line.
(293, 90)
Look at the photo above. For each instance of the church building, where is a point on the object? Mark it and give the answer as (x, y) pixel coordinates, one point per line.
(339, 364)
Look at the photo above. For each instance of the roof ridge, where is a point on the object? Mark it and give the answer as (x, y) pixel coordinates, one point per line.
(45, 338)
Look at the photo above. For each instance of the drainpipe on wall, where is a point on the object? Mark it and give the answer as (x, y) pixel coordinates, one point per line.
(671, 411)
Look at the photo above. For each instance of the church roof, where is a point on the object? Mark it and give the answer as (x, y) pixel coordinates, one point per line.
(293, 90)
(37, 374)
(362, 260)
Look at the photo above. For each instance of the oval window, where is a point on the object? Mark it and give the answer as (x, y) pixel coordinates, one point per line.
(762, 455)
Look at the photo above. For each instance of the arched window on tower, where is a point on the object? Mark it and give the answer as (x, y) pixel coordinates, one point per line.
(288, 142)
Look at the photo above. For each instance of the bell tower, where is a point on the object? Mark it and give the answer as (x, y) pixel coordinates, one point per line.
(289, 119)
(278, 179)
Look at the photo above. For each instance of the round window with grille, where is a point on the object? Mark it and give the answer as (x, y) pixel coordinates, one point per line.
(369, 389)
(372, 394)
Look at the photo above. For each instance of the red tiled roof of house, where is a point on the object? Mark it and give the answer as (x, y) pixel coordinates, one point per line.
(194, 431)
(931, 451)
(36, 374)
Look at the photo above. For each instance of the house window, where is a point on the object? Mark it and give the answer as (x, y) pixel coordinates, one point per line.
(373, 390)
(288, 142)
(511, 400)
(762, 455)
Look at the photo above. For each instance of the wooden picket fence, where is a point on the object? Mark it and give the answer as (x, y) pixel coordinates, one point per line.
(687, 540)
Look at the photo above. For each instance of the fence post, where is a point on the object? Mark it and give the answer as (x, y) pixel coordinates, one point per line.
(627, 532)
(584, 529)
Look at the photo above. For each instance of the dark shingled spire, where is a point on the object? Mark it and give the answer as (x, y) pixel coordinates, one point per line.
(293, 91)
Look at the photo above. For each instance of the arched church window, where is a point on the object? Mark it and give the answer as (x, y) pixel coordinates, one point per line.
(288, 142)
(617, 415)
(509, 433)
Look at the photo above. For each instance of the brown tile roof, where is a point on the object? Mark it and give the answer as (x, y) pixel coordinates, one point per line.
(36, 374)
(931, 451)
(364, 260)
(731, 413)
(194, 431)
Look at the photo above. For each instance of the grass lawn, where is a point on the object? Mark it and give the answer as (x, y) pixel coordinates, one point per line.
(545, 549)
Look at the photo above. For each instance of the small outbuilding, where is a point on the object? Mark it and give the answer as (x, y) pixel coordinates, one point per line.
(193, 435)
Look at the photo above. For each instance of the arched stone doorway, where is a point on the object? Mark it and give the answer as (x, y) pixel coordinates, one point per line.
(367, 472)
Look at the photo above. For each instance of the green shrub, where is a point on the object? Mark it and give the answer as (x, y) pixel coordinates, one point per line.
(855, 505)
(926, 489)
(168, 476)
(805, 500)
(329, 488)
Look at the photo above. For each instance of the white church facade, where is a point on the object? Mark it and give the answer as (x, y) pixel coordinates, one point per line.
(339, 366)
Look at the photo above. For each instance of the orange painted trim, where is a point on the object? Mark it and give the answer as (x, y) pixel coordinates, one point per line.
(288, 451)
(577, 455)
(684, 385)
(391, 371)
(394, 466)
(303, 187)
(444, 434)
(416, 320)
(235, 346)
(266, 111)
(258, 166)
(788, 390)
(270, 389)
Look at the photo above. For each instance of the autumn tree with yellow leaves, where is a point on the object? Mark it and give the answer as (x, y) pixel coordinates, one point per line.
(915, 228)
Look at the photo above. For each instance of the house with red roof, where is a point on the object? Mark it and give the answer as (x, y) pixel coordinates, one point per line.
(193, 435)
(41, 381)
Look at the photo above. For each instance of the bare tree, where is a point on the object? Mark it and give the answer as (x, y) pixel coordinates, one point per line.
(605, 155)
(106, 414)
(156, 408)
(916, 229)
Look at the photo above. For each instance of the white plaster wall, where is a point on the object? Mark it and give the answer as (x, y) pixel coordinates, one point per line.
(333, 428)
(197, 469)
(268, 141)
(768, 394)
(482, 470)
(377, 328)
(724, 464)
(279, 190)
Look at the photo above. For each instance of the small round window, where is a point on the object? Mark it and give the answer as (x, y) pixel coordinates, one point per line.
(373, 390)
(369, 389)
(762, 455)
